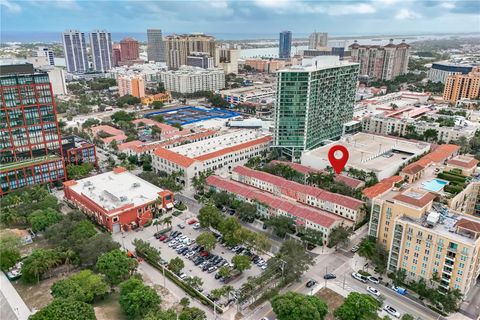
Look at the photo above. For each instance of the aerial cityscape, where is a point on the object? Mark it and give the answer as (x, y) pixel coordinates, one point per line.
(230, 160)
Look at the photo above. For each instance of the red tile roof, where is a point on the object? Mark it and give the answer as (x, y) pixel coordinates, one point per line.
(119, 138)
(150, 122)
(174, 157)
(442, 152)
(129, 145)
(231, 149)
(317, 216)
(285, 184)
(418, 202)
(107, 129)
(463, 162)
(469, 225)
(413, 168)
(381, 187)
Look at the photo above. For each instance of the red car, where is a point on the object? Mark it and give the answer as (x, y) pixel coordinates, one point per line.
(193, 221)
(203, 253)
(162, 238)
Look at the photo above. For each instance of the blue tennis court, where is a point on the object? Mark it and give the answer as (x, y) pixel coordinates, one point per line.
(190, 114)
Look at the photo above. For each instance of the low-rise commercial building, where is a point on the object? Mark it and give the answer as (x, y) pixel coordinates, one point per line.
(77, 151)
(269, 205)
(346, 207)
(223, 152)
(107, 134)
(118, 200)
(381, 155)
(248, 94)
(191, 79)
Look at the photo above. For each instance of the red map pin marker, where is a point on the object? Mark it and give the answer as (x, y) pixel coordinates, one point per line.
(338, 164)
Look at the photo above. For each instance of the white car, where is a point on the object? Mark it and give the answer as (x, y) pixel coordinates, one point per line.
(172, 243)
(373, 291)
(359, 277)
(390, 310)
(373, 280)
(264, 267)
(196, 226)
(183, 276)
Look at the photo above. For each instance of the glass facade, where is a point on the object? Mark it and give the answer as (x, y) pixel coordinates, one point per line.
(312, 106)
(28, 132)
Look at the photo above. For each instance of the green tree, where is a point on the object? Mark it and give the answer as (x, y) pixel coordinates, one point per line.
(292, 260)
(407, 316)
(241, 262)
(157, 105)
(137, 299)
(296, 306)
(229, 227)
(357, 306)
(194, 282)
(176, 265)
(122, 116)
(78, 171)
(207, 240)
(38, 263)
(169, 314)
(90, 250)
(9, 251)
(127, 100)
(247, 212)
(116, 266)
(84, 286)
(224, 272)
(65, 309)
(399, 277)
(41, 219)
(147, 249)
(339, 236)
(222, 199)
(209, 216)
(281, 225)
(184, 302)
(192, 313)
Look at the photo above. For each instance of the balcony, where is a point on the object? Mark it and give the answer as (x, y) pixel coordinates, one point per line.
(447, 271)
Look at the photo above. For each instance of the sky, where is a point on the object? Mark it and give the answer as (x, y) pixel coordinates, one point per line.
(340, 17)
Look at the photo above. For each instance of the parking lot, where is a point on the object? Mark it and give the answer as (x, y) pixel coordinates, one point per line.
(190, 269)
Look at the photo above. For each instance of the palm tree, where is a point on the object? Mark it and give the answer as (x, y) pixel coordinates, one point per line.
(227, 290)
(167, 221)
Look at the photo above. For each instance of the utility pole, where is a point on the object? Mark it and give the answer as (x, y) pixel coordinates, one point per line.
(326, 271)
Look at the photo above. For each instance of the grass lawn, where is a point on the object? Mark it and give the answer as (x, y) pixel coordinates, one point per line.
(109, 308)
(333, 300)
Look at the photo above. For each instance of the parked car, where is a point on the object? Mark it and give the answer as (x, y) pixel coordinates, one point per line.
(359, 277)
(355, 248)
(311, 283)
(191, 221)
(183, 276)
(373, 280)
(181, 226)
(373, 291)
(212, 269)
(162, 238)
(390, 310)
(329, 276)
(196, 226)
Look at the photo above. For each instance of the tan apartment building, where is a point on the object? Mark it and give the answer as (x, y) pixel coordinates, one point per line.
(462, 86)
(178, 47)
(427, 239)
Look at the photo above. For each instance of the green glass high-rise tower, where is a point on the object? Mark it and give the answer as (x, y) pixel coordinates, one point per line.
(314, 101)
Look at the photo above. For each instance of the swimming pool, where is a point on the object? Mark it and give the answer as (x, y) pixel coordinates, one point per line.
(434, 185)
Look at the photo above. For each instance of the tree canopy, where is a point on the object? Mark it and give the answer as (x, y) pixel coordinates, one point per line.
(207, 240)
(65, 309)
(241, 262)
(357, 306)
(84, 286)
(116, 266)
(296, 306)
(137, 299)
(294, 260)
(9, 250)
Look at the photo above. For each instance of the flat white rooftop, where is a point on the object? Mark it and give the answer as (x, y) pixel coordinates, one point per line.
(368, 152)
(319, 63)
(232, 138)
(113, 190)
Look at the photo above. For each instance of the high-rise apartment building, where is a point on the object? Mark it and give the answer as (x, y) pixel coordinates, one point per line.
(116, 56)
(190, 79)
(155, 46)
(379, 62)
(462, 86)
(179, 47)
(285, 44)
(129, 49)
(131, 84)
(227, 58)
(30, 144)
(45, 52)
(313, 102)
(317, 40)
(101, 46)
(75, 51)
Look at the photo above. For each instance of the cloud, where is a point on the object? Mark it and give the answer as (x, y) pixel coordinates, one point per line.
(331, 8)
(63, 4)
(12, 7)
(405, 13)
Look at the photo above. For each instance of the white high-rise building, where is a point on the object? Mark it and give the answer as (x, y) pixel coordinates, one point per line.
(45, 52)
(191, 79)
(101, 46)
(317, 40)
(75, 51)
